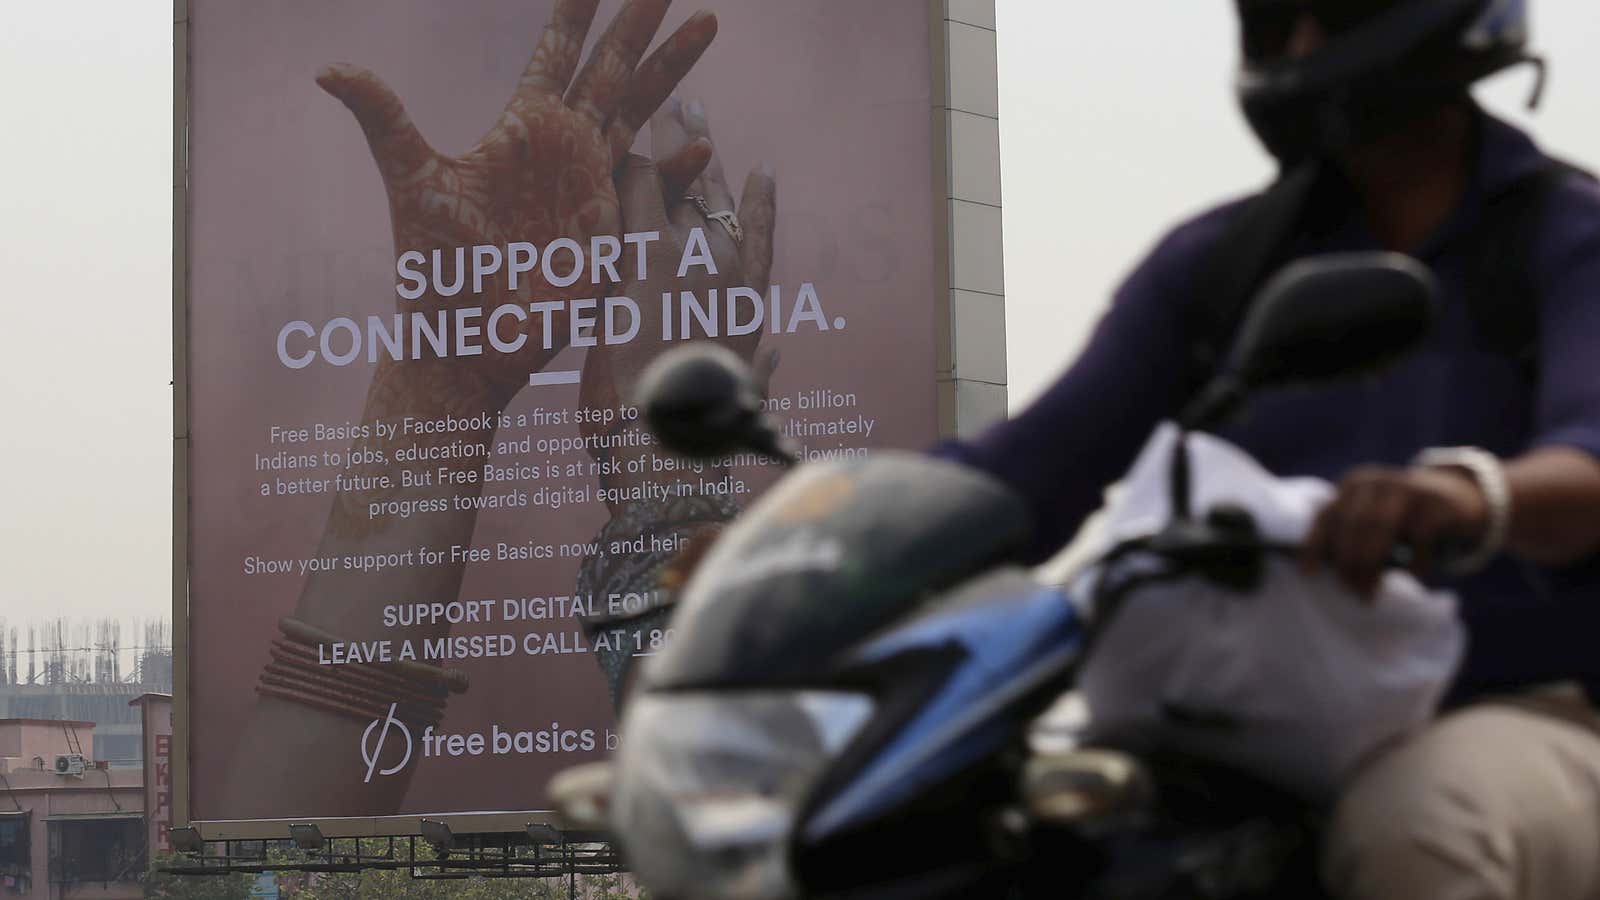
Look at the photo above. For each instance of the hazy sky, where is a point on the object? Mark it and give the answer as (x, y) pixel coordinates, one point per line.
(1116, 119)
(85, 244)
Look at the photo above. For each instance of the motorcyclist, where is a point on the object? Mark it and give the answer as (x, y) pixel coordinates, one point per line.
(1489, 436)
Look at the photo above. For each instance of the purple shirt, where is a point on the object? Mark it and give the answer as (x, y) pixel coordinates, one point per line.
(1526, 624)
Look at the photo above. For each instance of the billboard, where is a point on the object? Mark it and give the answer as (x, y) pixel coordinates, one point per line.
(430, 247)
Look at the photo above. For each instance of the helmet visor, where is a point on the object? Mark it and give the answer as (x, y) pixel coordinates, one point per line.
(1269, 25)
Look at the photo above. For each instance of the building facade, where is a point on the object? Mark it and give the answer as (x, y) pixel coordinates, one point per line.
(70, 827)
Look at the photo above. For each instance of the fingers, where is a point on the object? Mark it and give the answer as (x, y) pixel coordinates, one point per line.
(682, 168)
(598, 90)
(1425, 529)
(1331, 538)
(758, 211)
(560, 48)
(658, 77)
(639, 195)
(396, 144)
(1371, 528)
(1341, 534)
(668, 139)
(713, 183)
(1375, 511)
(667, 134)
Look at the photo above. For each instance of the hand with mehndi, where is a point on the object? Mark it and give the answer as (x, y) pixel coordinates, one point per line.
(542, 171)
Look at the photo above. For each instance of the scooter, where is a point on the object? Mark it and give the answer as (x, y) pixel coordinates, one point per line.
(845, 705)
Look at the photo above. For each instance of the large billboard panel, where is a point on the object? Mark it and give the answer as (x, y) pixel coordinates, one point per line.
(431, 246)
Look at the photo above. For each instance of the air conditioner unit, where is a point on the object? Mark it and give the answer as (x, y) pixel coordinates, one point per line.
(71, 764)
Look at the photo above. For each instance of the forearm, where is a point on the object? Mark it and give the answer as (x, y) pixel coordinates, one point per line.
(1555, 506)
(347, 603)
(294, 757)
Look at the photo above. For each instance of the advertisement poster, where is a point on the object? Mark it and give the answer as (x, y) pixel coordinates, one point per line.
(431, 247)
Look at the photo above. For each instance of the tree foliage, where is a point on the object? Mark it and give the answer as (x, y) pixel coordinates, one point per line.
(160, 885)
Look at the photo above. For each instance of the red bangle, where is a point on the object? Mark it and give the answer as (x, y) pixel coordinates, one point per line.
(417, 692)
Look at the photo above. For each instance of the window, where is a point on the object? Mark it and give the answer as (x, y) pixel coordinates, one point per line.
(120, 750)
(96, 850)
(15, 869)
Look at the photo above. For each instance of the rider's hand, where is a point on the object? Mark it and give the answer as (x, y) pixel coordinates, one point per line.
(1376, 509)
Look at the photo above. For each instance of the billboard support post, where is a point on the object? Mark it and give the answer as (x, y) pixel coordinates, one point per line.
(180, 412)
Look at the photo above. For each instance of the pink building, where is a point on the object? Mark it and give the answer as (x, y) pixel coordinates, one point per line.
(69, 828)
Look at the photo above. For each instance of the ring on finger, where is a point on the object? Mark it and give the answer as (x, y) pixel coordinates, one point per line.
(727, 218)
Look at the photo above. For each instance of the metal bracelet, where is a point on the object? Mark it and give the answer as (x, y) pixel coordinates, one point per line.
(1489, 474)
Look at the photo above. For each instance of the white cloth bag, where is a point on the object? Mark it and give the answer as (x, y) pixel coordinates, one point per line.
(1310, 679)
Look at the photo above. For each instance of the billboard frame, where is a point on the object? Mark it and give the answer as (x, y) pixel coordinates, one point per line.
(180, 413)
(969, 334)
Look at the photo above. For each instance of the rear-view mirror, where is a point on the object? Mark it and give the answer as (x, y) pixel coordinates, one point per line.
(1329, 317)
(700, 401)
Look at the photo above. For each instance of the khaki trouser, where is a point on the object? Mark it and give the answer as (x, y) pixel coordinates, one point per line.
(1498, 801)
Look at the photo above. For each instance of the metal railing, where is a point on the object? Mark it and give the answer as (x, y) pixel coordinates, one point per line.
(501, 855)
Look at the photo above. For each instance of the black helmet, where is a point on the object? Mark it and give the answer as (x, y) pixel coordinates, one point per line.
(1383, 63)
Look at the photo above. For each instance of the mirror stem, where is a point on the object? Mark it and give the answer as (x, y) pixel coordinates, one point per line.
(1220, 398)
(774, 445)
(1178, 479)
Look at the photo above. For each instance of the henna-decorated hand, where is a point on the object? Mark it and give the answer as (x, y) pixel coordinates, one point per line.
(543, 171)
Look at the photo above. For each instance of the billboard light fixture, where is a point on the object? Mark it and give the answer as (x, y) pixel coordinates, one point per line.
(307, 837)
(186, 839)
(438, 834)
(542, 834)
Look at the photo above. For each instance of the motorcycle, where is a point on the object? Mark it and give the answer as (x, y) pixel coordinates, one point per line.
(846, 704)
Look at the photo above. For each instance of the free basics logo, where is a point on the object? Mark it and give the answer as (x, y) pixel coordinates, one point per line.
(372, 752)
(382, 740)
